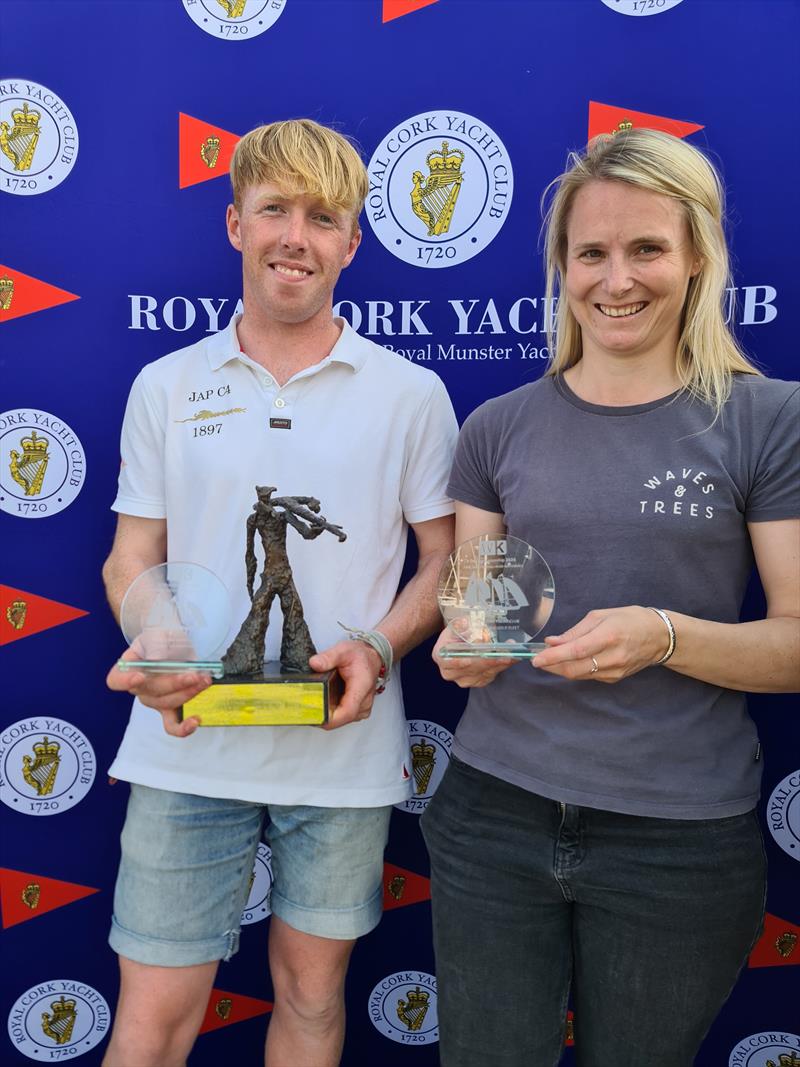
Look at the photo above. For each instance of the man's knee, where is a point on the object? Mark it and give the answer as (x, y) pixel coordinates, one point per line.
(159, 1013)
(310, 997)
(308, 973)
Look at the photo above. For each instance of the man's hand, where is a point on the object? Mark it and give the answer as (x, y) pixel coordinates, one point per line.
(468, 672)
(359, 665)
(166, 693)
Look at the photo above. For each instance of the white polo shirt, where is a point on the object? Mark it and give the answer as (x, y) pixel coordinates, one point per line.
(368, 433)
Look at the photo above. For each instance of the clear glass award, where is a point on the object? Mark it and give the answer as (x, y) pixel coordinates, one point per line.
(496, 594)
(176, 617)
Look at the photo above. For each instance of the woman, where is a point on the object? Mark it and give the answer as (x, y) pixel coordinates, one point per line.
(601, 838)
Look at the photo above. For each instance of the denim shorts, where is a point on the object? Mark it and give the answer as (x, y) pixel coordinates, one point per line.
(186, 863)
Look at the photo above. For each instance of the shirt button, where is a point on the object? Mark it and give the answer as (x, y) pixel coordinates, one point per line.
(280, 402)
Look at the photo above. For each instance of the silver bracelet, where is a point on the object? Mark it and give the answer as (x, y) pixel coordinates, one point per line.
(380, 642)
(670, 630)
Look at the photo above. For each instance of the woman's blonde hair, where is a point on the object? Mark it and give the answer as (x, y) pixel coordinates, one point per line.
(708, 354)
(301, 157)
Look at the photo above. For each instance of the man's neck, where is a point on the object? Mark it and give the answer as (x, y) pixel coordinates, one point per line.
(284, 349)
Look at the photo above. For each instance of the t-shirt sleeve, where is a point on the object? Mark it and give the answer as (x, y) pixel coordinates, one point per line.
(431, 442)
(471, 480)
(141, 477)
(775, 489)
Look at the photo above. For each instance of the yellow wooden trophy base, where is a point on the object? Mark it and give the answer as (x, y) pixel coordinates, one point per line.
(276, 698)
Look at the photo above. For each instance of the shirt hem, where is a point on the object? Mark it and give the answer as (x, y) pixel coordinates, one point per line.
(621, 805)
(138, 508)
(433, 511)
(261, 793)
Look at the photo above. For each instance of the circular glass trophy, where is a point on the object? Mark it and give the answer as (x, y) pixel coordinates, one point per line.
(176, 617)
(496, 593)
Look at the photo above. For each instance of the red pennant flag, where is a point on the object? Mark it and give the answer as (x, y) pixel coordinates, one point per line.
(23, 614)
(569, 1037)
(204, 151)
(20, 294)
(401, 887)
(778, 946)
(395, 9)
(605, 118)
(225, 1009)
(25, 896)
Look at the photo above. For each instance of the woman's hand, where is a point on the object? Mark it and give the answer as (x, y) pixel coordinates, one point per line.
(606, 645)
(468, 672)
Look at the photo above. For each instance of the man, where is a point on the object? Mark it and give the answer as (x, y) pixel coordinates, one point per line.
(288, 396)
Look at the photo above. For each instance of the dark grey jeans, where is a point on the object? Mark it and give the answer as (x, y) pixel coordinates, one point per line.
(646, 921)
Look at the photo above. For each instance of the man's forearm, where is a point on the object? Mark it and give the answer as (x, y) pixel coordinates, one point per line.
(118, 573)
(138, 545)
(415, 613)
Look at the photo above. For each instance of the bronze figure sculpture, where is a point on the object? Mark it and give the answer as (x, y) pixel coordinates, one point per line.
(271, 517)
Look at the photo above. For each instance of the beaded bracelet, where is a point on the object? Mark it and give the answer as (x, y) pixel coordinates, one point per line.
(670, 630)
(380, 642)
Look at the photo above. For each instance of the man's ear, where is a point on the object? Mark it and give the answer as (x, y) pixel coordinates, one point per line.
(232, 224)
(355, 241)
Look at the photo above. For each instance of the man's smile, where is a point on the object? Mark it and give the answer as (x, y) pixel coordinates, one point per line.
(291, 272)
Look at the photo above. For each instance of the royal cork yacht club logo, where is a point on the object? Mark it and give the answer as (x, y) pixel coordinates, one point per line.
(430, 746)
(258, 898)
(772, 1048)
(38, 138)
(42, 464)
(234, 20)
(783, 814)
(58, 1019)
(402, 1007)
(641, 7)
(440, 188)
(47, 766)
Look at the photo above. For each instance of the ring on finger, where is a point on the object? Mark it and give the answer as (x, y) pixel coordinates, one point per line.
(595, 666)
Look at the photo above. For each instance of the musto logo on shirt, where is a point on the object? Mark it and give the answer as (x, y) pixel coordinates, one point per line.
(771, 1048)
(258, 906)
(42, 464)
(59, 1019)
(430, 754)
(783, 814)
(38, 138)
(684, 491)
(440, 186)
(403, 1007)
(46, 766)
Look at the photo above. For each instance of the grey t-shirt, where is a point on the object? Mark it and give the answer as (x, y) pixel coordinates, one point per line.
(629, 505)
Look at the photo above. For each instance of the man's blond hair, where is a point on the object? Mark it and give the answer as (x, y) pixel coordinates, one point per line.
(301, 157)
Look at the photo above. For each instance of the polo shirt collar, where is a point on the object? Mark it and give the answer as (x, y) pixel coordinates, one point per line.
(350, 349)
